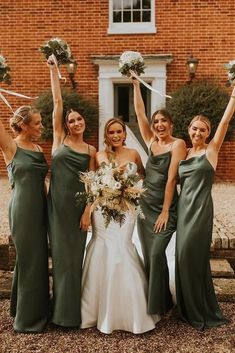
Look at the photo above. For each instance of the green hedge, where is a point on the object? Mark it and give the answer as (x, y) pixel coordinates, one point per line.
(198, 98)
(71, 100)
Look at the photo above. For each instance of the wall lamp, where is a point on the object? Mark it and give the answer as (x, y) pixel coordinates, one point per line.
(72, 68)
(192, 64)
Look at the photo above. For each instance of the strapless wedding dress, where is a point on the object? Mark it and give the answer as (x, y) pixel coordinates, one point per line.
(114, 286)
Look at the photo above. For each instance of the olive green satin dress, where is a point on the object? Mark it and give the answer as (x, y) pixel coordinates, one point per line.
(196, 300)
(67, 241)
(28, 224)
(154, 244)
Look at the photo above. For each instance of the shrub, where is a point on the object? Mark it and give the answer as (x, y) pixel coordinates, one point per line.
(71, 100)
(198, 98)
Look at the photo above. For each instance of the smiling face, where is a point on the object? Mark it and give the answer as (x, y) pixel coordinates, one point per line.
(75, 123)
(198, 133)
(115, 135)
(161, 126)
(34, 127)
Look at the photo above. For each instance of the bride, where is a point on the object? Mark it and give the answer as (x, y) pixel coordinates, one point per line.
(114, 284)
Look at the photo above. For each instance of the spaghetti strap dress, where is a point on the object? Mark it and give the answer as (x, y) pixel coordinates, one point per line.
(67, 241)
(28, 225)
(154, 244)
(196, 300)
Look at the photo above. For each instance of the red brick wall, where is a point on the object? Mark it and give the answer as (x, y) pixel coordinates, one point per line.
(203, 28)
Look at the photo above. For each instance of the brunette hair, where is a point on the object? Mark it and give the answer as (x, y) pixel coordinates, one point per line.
(164, 113)
(107, 126)
(22, 115)
(66, 119)
(203, 119)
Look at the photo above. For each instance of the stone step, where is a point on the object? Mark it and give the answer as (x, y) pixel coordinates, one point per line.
(221, 268)
(224, 287)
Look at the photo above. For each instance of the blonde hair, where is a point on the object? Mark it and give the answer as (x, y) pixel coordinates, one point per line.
(22, 115)
(203, 119)
(110, 122)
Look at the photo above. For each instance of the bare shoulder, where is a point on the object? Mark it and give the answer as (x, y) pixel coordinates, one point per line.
(179, 143)
(92, 150)
(100, 157)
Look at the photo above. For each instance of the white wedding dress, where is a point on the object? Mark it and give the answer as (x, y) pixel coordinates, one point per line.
(114, 286)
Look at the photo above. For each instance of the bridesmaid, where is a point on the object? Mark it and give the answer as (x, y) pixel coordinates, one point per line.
(27, 169)
(159, 201)
(196, 300)
(68, 221)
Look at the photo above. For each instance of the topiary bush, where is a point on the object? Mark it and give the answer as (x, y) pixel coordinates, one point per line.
(71, 100)
(198, 98)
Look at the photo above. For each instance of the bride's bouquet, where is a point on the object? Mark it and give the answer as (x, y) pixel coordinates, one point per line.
(115, 190)
(230, 67)
(4, 71)
(131, 60)
(59, 48)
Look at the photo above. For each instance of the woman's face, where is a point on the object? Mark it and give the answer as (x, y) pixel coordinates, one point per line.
(198, 132)
(34, 127)
(75, 123)
(116, 135)
(161, 126)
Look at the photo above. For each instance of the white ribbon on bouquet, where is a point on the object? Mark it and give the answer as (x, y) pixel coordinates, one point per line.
(147, 85)
(57, 67)
(12, 94)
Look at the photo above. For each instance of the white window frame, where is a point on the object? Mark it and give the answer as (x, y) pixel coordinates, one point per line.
(134, 27)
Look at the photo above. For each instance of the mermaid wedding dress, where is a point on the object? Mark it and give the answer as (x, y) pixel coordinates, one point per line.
(114, 286)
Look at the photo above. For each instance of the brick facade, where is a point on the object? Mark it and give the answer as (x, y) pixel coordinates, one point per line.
(203, 28)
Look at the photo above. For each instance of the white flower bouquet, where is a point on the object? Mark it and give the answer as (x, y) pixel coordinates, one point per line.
(131, 60)
(59, 48)
(115, 190)
(230, 67)
(4, 71)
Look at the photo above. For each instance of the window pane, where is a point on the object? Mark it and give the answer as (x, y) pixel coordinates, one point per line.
(117, 4)
(126, 16)
(127, 4)
(136, 16)
(123, 103)
(146, 4)
(146, 16)
(117, 16)
(136, 4)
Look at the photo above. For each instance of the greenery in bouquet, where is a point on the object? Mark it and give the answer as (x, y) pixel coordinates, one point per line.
(230, 67)
(59, 48)
(115, 190)
(4, 71)
(131, 60)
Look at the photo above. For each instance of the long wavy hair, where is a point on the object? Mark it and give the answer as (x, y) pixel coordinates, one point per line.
(108, 146)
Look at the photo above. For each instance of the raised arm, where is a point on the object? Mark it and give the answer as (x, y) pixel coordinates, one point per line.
(58, 129)
(7, 144)
(215, 144)
(178, 154)
(223, 125)
(143, 122)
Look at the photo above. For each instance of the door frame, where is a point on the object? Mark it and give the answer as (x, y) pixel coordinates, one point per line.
(108, 74)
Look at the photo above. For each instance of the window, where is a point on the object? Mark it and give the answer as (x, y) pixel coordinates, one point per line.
(131, 16)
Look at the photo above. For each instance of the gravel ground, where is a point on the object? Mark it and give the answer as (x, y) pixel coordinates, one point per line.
(170, 336)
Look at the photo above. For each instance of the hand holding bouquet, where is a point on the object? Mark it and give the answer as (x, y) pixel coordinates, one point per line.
(59, 48)
(231, 73)
(131, 60)
(115, 190)
(4, 71)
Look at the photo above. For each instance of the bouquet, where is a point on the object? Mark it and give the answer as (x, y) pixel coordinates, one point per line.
(115, 190)
(231, 73)
(4, 71)
(58, 48)
(131, 60)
